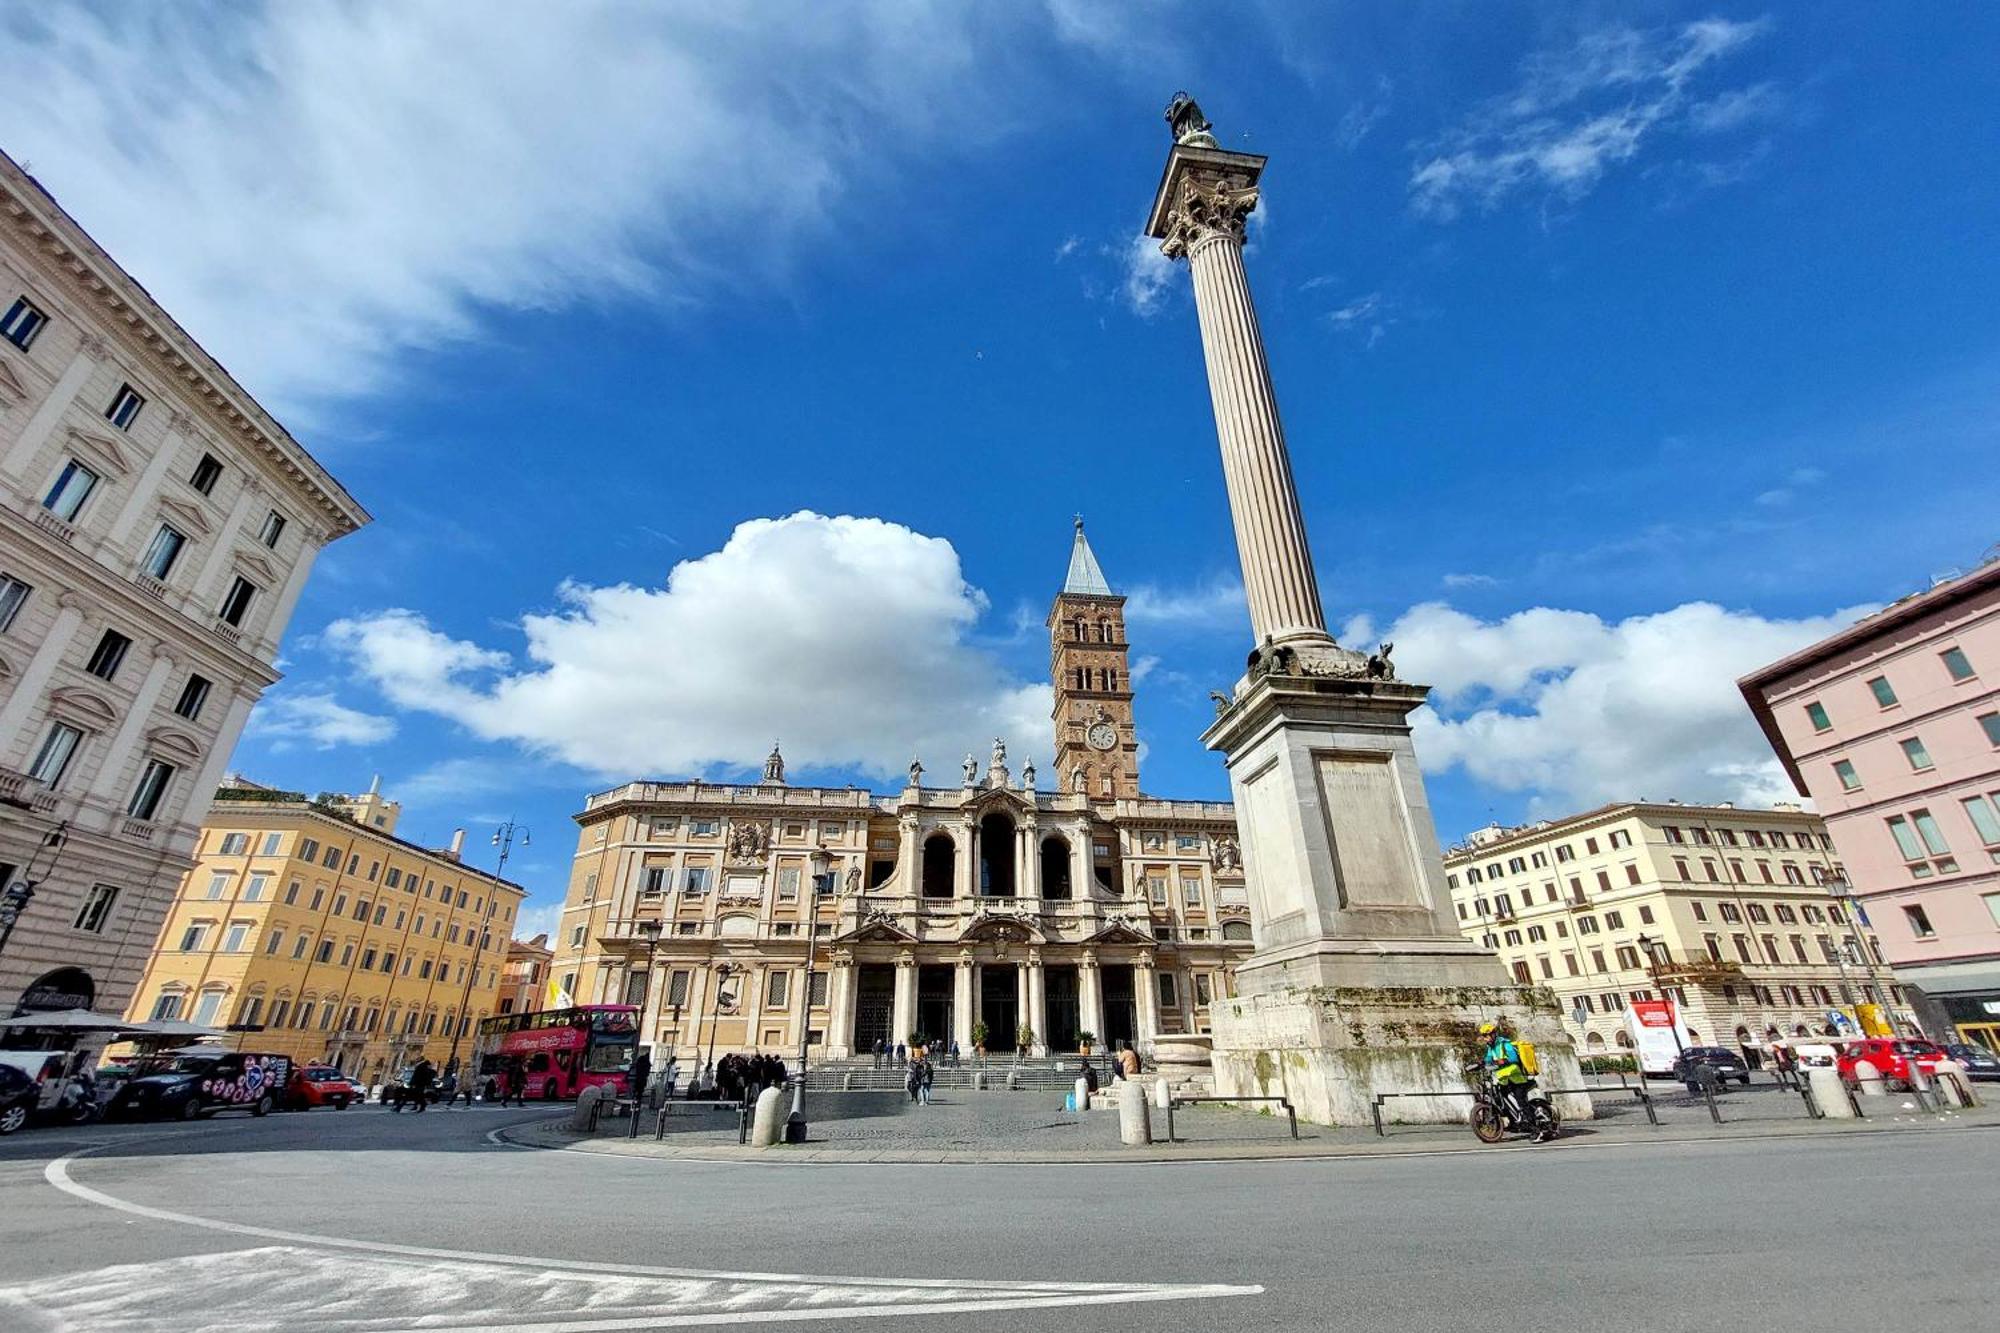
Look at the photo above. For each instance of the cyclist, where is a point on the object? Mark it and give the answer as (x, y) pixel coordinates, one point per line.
(1503, 1061)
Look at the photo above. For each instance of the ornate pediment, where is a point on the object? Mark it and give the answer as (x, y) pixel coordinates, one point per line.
(265, 574)
(1122, 930)
(1002, 798)
(1001, 928)
(878, 927)
(186, 516)
(100, 448)
(174, 742)
(84, 708)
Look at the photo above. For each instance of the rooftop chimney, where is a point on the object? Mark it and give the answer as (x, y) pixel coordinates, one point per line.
(457, 844)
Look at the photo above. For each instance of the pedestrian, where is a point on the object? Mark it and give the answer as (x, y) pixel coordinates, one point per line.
(879, 1044)
(513, 1082)
(913, 1080)
(642, 1070)
(421, 1080)
(668, 1077)
(902, 1052)
(1128, 1061)
(954, 1052)
(1089, 1076)
(924, 1083)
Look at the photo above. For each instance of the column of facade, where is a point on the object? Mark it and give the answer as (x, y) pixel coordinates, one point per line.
(148, 486)
(753, 1001)
(208, 584)
(1038, 1003)
(219, 749)
(1021, 1018)
(961, 1001)
(1146, 986)
(910, 858)
(1206, 225)
(963, 874)
(111, 765)
(1083, 854)
(840, 1012)
(288, 596)
(34, 677)
(41, 425)
(1090, 996)
(906, 997)
(1028, 866)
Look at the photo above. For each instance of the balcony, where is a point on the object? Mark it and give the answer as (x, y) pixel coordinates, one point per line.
(25, 793)
(151, 586)
(227, 632)
(139, 830)
(1693, 970)
(54, 526)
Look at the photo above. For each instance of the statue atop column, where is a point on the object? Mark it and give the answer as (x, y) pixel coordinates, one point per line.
(1188, 125)
(971, 770)
(916, 771)
(996, 770)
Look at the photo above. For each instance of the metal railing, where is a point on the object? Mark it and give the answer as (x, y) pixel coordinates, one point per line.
(1290, 1112)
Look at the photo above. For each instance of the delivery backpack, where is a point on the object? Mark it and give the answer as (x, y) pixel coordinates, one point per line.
(1529, 1065)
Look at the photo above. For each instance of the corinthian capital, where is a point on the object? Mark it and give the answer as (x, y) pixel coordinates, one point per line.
(1210, 204)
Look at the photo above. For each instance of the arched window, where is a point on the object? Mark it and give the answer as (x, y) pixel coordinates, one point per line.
(1593, 1041)
(996, 856)
(1236, 930)
(1055, 867)
(1624, 1040)
(940, 866)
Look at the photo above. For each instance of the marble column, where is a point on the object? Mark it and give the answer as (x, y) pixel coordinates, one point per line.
(906, 997)
(1146, 988)
(1200, 216)
(961, 1002)
(840, 1026)
(910, 858)
(34, 677)
(110, 779)
(1028, 865)
(1021, 1018)
(1090, 996)
(43, 423)
(1038, 1013)
(963, 871)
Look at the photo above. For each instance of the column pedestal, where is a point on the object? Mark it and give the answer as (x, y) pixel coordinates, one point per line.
(840, 1020)
(961, 1004)
(1038, 1006)
(1090, 1000)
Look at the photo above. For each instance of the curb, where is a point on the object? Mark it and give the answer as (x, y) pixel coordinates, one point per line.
(544, 1137)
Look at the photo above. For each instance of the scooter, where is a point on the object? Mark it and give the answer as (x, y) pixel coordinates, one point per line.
(1494, 1115)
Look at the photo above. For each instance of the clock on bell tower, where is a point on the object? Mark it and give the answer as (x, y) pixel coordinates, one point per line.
(1097, 749)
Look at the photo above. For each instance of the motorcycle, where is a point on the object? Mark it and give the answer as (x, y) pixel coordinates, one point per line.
(1494, 1115)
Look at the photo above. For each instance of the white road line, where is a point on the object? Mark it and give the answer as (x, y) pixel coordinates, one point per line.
(58, 1175)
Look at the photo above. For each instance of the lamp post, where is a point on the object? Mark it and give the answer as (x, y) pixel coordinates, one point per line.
(1838, 888)
(650, 931)
(503, 838)
(16, 897)
(822, 884)
(1652, 948)
(723, 971)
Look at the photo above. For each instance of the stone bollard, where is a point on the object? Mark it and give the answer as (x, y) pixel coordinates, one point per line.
(586, 1108)
(979, 1080)
(1013, 1080)
(847, 1083)
(1829, 1093)
(767, 1122)
(1868, 1079)
(1135, 1123)
(1082, 1095)
(1162, 1093)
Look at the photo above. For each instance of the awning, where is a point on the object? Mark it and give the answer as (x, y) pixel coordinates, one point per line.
(73, 1020)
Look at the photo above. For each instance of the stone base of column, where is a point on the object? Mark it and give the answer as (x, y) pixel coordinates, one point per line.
(1333, 1050)
(1339, 853)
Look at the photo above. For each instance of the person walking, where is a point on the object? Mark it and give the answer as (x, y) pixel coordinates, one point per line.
(879, 1044)
(642, 1071)
(902, 1052)
(669, 1077)
(913, 1081)
(954, 1052)
(929, 1074)
(513, 1082)
(421, 1080)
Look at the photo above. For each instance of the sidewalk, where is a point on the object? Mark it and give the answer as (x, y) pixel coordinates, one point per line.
(1017, 1129)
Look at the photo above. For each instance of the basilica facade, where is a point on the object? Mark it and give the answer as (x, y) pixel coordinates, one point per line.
(1019, 912)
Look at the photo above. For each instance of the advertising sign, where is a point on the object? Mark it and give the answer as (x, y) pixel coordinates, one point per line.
(1653, 1025)
(1874, 1022)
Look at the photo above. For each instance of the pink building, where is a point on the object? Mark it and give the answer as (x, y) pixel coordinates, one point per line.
(1892, 726)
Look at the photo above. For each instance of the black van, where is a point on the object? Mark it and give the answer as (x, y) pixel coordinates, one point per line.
(189, 1086)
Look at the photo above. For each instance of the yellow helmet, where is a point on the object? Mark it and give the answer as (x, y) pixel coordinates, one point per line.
(1488, 1029)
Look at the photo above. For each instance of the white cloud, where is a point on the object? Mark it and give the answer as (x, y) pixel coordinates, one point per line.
(1469, 581)
(1361, 117)
(318, 720)
(1069, 246)
(1736, 108)
(1368, 316)
(1216, 604)
(1148, 275)
(539, 917)
(847, 637)
(1580, 111)
(1144, 667)
(316, 190)
(1580, 711)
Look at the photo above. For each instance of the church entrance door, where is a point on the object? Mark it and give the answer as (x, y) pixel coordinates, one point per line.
(874, 1005)
(1000, 1005)
(1061, 1004)
(1121, 1007)
(934, 997)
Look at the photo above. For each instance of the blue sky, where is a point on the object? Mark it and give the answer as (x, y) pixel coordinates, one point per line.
(1622, 348)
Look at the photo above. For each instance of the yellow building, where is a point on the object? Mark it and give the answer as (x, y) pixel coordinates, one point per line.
(1724, 910)
(310, 929)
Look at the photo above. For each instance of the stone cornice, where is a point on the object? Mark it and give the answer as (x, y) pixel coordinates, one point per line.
(96, 280)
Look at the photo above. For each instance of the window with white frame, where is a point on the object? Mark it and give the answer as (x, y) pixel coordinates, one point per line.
(124, 409)
(164, 550)
(22, 322)
(73, 485)
(96, 909)
(52, 760)
(13, 596)
(151, 793)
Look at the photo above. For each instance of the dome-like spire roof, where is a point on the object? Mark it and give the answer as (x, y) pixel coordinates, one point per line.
(1086, 577)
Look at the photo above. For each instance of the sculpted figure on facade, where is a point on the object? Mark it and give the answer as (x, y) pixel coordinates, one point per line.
(1227, 857)
(916, 772)
(971, 769)
(748, 840)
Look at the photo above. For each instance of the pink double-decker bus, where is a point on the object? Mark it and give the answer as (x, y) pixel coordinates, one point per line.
(561, 1051)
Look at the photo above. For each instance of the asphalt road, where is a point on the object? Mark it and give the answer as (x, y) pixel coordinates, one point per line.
(364, 1220)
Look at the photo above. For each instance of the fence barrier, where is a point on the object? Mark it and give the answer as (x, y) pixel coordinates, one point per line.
(1173, 1102)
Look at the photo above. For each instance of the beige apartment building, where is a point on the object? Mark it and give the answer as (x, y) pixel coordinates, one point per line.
(156, 529)
(989, 904)
(308, 928)
(524, 977)
(1722, 909)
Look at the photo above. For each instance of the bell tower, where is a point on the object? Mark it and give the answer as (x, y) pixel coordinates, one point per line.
(1096, 744)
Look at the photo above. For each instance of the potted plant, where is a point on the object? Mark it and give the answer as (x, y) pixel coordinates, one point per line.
(1024, 1040)
(979, 1039)
(1084, 1041)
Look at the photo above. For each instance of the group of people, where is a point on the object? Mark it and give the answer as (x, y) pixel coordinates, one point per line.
(423, 1084)
(736, 1078)
(888, 1055)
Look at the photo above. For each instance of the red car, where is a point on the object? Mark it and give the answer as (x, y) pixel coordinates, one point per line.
(321, 1085)
(1891, 1058)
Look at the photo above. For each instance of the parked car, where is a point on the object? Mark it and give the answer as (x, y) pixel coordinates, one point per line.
(1726, 1063)
(1892, 1057)
(191, 1086)
(321, 1085)
(1979, 1062)
(18, 1095)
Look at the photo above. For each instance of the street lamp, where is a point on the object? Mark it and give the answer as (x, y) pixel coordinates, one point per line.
(15, 899)
(651, 931)
(822, 884)
(503, 838)
(1653, 948)
(723, 971)
(1838, 888)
